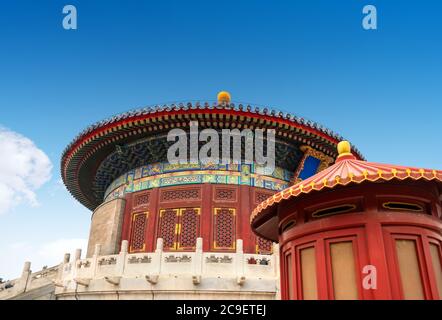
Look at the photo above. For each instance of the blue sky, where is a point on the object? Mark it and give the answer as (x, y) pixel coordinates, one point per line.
(380, 89)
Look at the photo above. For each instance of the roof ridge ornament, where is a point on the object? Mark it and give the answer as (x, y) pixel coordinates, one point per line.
(224, 97)
(344, 151)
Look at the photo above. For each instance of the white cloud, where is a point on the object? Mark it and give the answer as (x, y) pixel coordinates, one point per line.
(23, 169)
(49, 254)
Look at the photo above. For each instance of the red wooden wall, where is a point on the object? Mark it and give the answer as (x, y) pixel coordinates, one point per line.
(220, 214)
(375, 232)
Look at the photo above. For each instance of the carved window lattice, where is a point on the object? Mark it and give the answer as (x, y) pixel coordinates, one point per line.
(137, 239)
(141, 200)
(179, 228)
(177, 195)
(168, 228)
(225, 194)
(261, 196)
(224, 228)
(263, 246)
(189, 228)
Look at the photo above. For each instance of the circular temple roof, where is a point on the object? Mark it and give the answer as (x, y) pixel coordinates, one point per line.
(138, 137)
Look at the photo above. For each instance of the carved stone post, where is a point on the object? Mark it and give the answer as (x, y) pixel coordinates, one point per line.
(121, 261)
(61, 270)
(124, 246)
(77, 266)
(158, 255)
(276, 269)
(66, 258)
(97, 250)
(197, 266)
(77, 255)
(239, 257)
(25, 276)
(26, 269)
(95, 257)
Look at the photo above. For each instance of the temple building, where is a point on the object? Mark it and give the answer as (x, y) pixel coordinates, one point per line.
(170, 231)
(214, 230)
(358, 230)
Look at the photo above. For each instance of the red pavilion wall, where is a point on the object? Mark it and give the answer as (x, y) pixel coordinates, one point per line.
(218, 213)
(327, 258)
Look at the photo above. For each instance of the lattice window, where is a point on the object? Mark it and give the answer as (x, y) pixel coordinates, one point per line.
(179, 228)
(138, 232)
(141, 200)
(261, 196)
(183, 194)
(224, 228)
(167, 229)
(225, 194)
(263, 246)
(189, 228)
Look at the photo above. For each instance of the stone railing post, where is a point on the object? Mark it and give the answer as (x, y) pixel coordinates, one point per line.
(197, 265)
(156, 263)
(95, 257)
(275, 256)
(276, 269)
(76, 266)
(119, 266)
(121, 262)
(239, 262)
(61, 268)
(26, 270)
(97, 250)
(25, 278)
(77, 254)
(158, 255)
(124, 246)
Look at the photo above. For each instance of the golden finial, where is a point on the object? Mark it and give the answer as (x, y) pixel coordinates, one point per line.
(344, 149)
(223, 96)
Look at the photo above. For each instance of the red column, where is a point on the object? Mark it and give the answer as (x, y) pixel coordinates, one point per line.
(244, 231)
(151, 230)
(125, 232)
(321, 270)
(376, 250)
(377, 258)
(206, 216)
